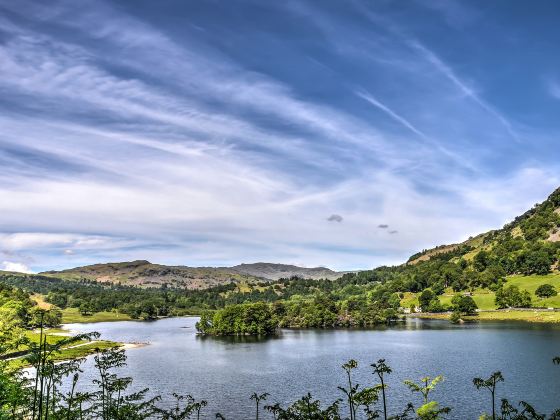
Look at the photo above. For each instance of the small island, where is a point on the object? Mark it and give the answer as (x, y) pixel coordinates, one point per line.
(244, 319)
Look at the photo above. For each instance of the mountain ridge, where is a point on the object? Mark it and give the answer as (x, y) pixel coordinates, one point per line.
(145, 273)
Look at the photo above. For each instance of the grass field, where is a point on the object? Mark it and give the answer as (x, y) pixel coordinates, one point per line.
(510, 315)
(77, 349)
(82, 349)
(40, 300)
(72, 315)
(531, 283)
(484, 298)
(53, 336)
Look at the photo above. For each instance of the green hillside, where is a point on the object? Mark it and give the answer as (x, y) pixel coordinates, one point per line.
(484, 298)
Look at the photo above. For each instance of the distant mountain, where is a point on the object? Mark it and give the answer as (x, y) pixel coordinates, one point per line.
(144, 273)
(272, 271)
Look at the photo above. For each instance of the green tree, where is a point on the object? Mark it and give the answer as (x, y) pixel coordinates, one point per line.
(512, 297)
(464, 304)
(455, 317)
(425, 299)
(546, 290)
(481, 261)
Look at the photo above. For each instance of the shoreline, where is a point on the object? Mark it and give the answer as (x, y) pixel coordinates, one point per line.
(533, 316)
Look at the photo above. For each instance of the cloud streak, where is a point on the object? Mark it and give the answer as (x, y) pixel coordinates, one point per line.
(468, 91)
(126, 138)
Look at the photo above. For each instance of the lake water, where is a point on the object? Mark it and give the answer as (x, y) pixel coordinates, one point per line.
(227, 371)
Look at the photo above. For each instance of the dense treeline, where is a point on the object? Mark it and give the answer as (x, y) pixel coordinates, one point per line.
(321, 310)
(19, 310)
(90, 296)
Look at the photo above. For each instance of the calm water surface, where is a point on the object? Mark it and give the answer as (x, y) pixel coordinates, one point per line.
(227, 371)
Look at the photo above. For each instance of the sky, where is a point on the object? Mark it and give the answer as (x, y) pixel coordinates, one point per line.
(345, 134)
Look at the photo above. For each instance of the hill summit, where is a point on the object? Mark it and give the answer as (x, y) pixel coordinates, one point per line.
(527, 245)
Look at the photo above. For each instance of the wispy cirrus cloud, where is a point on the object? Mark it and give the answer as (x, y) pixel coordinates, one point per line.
(126, 138)
(467, 90)
(553, 88)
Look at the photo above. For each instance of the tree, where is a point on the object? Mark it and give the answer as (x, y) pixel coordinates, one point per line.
(512, 297)
(455, 317)
(426, 298)
(546, 290)
(352, 389)
(490, 384)
(481, 261)
(464, 304)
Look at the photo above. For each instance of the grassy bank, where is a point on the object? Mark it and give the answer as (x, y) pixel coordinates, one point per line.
(75, 350)
(72, 315)
(505, 315)
(484, 298)
(528, 316)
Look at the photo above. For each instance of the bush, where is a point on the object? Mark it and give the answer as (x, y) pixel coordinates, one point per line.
(455, 317)
(546, 290)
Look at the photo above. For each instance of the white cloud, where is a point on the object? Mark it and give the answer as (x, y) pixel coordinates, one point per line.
(158, 173)
(15, 266)
(554, 88)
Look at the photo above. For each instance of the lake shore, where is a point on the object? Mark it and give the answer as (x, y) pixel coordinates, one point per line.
(534, 316)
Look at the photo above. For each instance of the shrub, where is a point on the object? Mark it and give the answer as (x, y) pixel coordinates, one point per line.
(546, 290)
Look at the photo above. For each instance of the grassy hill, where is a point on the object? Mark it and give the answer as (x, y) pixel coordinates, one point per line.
(485, 298)
(524, 253)
(145, 274)
(535, 228)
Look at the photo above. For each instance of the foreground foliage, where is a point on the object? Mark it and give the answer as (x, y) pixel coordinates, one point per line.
(40, 397)
(55, 390)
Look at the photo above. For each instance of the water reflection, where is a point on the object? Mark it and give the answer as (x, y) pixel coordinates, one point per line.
(227, 370)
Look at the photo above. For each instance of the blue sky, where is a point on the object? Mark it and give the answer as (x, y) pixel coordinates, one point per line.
(345, 134)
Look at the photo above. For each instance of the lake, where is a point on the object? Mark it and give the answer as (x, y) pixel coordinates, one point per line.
(226, 371)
